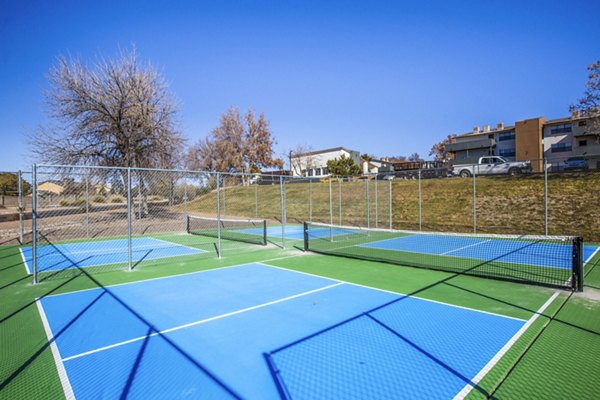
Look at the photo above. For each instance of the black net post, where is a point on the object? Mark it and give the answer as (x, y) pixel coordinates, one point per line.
(578, 264)
(264, 232)
(305, 236)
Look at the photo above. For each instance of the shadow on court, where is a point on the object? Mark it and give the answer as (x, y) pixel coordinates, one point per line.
(288, 363)
(134, 371)
(361, 326)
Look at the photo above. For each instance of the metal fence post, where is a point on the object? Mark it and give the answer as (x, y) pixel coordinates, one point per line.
(340, 198)
(129, 217)
(185, 195)
(34, 241)
(376, 205)
(256, 197)
(139, 199)
(390, 205)
(474, 199)
(87, 205)
(20, 204)
(330, 204)
(282, 191)
(219, 215)
(310, 200)
(367, 204)
(420, 203)
(545, 196)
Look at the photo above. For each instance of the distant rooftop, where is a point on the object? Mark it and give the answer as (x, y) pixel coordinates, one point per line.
(312, 153)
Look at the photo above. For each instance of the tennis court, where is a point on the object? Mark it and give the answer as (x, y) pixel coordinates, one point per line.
(556, 261)
(229, 306)
(293, 232)
(550, 255)
(57, 257)
(259, 332)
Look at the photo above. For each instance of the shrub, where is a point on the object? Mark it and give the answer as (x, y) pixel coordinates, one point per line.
(116, 200)
(98, 199)
(63, 203)
(155, 198)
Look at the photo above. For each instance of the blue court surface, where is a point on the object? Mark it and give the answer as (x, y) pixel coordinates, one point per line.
(214, 334)
(552, 255)
(295, 232)
(89, 254)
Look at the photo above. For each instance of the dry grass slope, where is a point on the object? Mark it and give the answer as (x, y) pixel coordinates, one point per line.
(503, 204)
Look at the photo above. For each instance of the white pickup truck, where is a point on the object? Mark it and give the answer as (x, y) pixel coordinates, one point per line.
(492, 165)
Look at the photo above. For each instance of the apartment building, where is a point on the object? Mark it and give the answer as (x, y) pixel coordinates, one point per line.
(569, 137)
(532, 139)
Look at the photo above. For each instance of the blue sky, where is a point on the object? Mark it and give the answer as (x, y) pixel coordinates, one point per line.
(382, 77)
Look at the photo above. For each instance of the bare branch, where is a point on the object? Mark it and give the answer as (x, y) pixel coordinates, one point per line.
(116, 113)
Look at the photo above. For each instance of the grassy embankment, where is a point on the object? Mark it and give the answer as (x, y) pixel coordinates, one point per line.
(503, 204)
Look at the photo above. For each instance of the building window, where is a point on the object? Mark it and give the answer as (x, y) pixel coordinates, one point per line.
(510, 135)
(491, 136)
(582, 143)
(325, 171)
(506, 152)
(563, 128)
(318, 171)
(311, 172)
(560, 147)
(583, 123)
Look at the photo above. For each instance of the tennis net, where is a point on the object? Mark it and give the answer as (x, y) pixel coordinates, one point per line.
(241, 230)
(555, 261)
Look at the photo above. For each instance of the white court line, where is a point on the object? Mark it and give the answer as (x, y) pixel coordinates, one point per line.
(24, 261)
(592, 256)
(396, 293)
(112, 250)
(465, 247)
(114, 263)
(177, 244)
(217, 268)
(481, 374)
(367, 245)
(60, 367)
(203, 321)
(91, 253)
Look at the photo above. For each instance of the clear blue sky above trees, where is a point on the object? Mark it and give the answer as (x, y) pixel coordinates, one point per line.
(387, 78)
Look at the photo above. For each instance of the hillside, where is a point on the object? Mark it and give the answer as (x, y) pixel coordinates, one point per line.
(503, 204)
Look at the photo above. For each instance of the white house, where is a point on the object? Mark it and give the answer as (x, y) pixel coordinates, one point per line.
(314, 163)
(375, 166)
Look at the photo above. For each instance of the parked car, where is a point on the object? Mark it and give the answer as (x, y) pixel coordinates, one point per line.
(492, 165)
(386, 177)
(576, 164)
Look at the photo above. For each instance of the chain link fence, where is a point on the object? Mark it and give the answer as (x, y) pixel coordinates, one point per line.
(15, 207)
(124, 218)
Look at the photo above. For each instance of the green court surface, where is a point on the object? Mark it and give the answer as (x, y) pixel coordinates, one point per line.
(556, 357)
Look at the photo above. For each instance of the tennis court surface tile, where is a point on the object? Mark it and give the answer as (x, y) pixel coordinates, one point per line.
(91, 254)
(260, 332)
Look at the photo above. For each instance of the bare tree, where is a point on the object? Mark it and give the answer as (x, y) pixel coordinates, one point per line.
(301, 159)
(415, 157)
(239, 144)
(202, 156)
(589, 105)
(116, 113)
(439, 151)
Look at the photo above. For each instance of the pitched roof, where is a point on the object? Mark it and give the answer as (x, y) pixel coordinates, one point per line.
(312, 153)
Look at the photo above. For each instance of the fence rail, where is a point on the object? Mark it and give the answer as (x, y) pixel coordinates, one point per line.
(73, 208)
